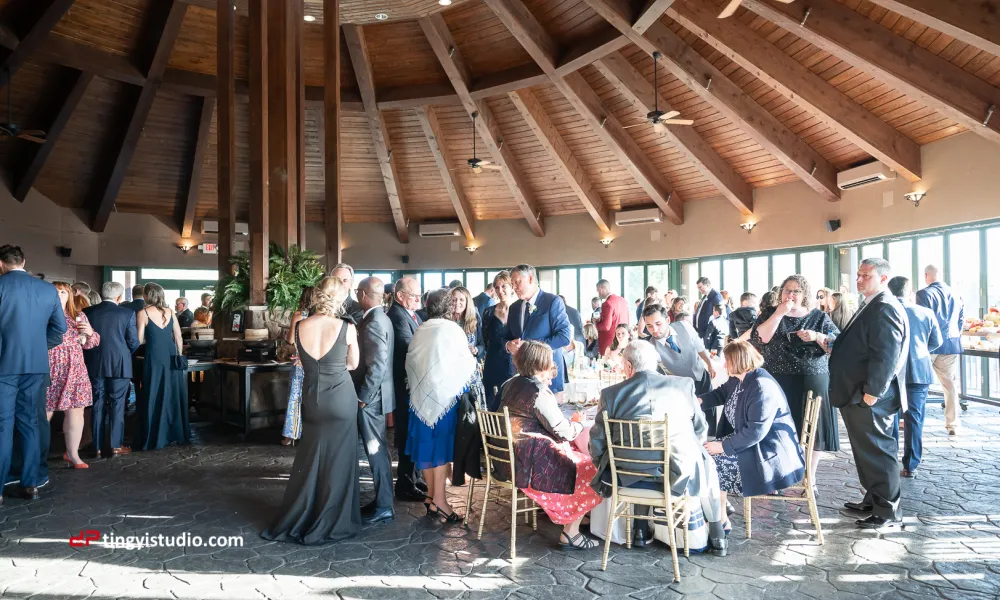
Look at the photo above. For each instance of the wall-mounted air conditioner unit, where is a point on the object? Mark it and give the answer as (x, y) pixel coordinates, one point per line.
(439, 230)
(638, 217)
(864, 175)
(213, 227)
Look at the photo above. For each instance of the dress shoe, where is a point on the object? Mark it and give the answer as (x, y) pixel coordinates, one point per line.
(729, 508)
(29, 493)
(121, 451)
(878, 523)
(640, 537)
(908, 474)
(952, 432)
(720, 547)
(858, 506)
(381, 515)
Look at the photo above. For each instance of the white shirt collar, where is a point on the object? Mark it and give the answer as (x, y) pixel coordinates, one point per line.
(534, 299)
(365, 316)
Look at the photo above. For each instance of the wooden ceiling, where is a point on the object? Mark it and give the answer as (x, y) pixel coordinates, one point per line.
(773, 99)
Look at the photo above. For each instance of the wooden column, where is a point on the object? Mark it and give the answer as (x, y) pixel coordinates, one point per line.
(300, 120)
(226, 100)
(331, 129)
(282, 111)
(259, 235)
(190, 203)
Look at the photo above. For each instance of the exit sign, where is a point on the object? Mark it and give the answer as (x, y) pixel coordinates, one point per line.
(209, 248)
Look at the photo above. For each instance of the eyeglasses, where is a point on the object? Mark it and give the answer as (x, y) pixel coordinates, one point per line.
(408, 294)
(792, 292)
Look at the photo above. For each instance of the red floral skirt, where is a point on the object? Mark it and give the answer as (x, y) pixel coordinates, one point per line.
(566, 508)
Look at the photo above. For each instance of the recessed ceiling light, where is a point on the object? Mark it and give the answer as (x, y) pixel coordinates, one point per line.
(444, 2)
(309, 18)
(381, 17)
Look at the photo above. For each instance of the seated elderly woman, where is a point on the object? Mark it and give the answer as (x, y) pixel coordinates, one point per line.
(645, 394)
(550, 470)
(762, 455)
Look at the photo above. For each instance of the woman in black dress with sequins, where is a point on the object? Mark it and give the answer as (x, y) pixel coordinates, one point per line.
(795, 342)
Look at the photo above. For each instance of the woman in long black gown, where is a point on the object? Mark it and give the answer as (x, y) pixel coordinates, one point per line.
(322, 501)
(162, 405)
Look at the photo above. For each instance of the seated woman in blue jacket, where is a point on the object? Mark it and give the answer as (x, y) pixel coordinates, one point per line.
(762, 455)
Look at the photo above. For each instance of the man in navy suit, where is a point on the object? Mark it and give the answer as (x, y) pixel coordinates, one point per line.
(538, 316)
(137, 302)
(30, 316)
(925, 337)
(950, 312)
(710, 297)
(484, 300)
(110, 368)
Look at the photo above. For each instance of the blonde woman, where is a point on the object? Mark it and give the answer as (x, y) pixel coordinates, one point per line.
(465, 314)
(498, 366)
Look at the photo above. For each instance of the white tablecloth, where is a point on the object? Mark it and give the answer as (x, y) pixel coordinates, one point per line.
(578, 390)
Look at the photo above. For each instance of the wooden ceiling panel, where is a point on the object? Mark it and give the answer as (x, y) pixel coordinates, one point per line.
(364, 11)
(422, 188)
(32, 90)
(401, 56)
(485, 43)
(566, 21)
(111, 25)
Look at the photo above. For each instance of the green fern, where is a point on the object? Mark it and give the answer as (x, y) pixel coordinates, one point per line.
(288, 273)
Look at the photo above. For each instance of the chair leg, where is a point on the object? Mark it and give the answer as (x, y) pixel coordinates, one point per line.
(814, 514)
(685, 519)
(513, 522)
(486, 500)
(746, 516)
(468, 502)
(673, 551)
(607, 535)
(534, 515)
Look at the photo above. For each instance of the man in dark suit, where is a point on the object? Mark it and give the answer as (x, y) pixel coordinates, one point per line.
(538, 316)
(406, 299)
(184, 315)
(867, 384)
(345, 273)
(710, 297)
(576, 320)
(949, 309)
(110, 367)
(925, 337)
(484, 300)
(137, 302)
(31, 316)
(373, 382)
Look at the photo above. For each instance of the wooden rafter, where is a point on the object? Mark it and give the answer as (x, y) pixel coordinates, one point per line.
(25, 179)
(260, 234)
(447, 53)
(225, 27)
(456, 193)
(694, 71)
(358, 49)
(540, 46)
(651, 13)
(795, 81)
(197, 166)
(892, 59)
(167, 29)
(550, 138)
(330, 126)
(48, 14)
(630, 82)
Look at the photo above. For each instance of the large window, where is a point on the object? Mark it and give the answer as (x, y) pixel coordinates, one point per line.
(963, 272)
(432, 281)
(712, 270)
(567, 287)
(993, 271)
(732, 277)
(782, 265)
(547, 280)
(689, 279)
(757, 276)
(900, 257)
(454, 276)
(812, 266)
(634, 286)
(930, 251)
(659, 277)
(588, 285)
(871, 251)
(180, 274)
(614, 277)
(476, 282)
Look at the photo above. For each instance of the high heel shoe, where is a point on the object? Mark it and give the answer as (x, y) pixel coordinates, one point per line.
(452, 518)
(79, 465)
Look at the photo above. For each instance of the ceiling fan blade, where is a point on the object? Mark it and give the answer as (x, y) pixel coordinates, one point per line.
(4, 130)
(730, 9)
(34, 132)
(635, 125)
(477, 170)
(786, 1)
(493, 167)
(31, 138)
(678, 122)
(670, 114)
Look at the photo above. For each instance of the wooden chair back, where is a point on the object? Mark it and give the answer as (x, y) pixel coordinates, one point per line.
(498, 446)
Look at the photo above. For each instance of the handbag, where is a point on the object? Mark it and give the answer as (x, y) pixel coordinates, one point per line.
(179, 362)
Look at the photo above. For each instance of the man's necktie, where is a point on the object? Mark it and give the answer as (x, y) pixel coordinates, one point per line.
(673, 345)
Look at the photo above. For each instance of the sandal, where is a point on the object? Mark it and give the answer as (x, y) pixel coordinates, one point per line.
(452, 518)
(577, 542)
(427, 505)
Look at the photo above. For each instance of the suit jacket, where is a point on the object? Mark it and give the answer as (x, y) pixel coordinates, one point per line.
(31, 317)
(546, 323)
(116, 325)
(184, 318)
(482, 302)
(704, 314)
(135, 305)
(576, 320)
(352, 309)
(403, 327)
(870, 353)
(950, 312)
(925, 338)
(741, 320)
(373, 378)
(613, 312)
(764, 439)
(688, 362)
(653, 396)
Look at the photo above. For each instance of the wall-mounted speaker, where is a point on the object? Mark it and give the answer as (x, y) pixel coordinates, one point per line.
(406, 259)
(833, 225)
(64, 252)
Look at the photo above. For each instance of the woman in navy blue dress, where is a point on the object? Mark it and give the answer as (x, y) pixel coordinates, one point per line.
(498, 366)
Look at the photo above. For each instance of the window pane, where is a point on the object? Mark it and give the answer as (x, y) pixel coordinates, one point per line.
(901, 259)
(689, 278)
(871, 251)
(432, 281)
(993, 273)
(171, 296)
(588, 285)
(783, 265)
(930, 251)
(454, 275)
(963, 273)
(614, 277)
(812, 266)
(659, 277)
(475, 281)
(634, 287)
(490, 275)
(757, 275)
(127, 279)
(181, 274)
(732, 277)
(713, 270)
(547, 280)
(567, 287)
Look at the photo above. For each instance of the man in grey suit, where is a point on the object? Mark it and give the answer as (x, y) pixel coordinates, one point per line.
(373, 382)
(645, 394)
(410, 486)
(867, 384)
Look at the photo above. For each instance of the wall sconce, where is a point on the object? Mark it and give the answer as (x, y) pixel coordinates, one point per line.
(185, 247)
(607, 241)
(748, 226)
(471, 249)
(915, 197)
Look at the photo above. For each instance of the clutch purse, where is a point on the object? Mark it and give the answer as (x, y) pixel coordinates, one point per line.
(802, 349)
(179, 363)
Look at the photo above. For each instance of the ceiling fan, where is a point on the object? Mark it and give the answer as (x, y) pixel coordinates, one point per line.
(13, 130)
(658, 118)
(477, 164)
(732, 5)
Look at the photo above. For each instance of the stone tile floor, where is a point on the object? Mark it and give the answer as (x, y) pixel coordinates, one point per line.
(223, 486)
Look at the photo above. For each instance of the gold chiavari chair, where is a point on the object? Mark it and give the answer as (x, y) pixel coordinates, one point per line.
(651, 439)
(807, 439)
(498, 446)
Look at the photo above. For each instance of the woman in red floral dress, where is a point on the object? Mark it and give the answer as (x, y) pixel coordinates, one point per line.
(70, 389)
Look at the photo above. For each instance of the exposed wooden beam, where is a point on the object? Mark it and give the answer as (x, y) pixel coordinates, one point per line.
(975, 22)
(529, 32)
(225, 28)
(25, 179)
(49, 13)
(300, 122)
(630, 82)
(594, 47)
(550, 138)
(358, 49)
(330, 118)
(444, 47)
(260, 237)
(508, 80)
(456, 193)
(282, 134)
(167, 25)
(694, 71)
(797, 82)
(892, 59)
(197, 166)
(651, 13)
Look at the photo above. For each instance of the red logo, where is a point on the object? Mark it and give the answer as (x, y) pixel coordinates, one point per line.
(86, 536)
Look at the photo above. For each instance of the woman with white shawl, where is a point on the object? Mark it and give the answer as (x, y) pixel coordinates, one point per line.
(439, 368)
